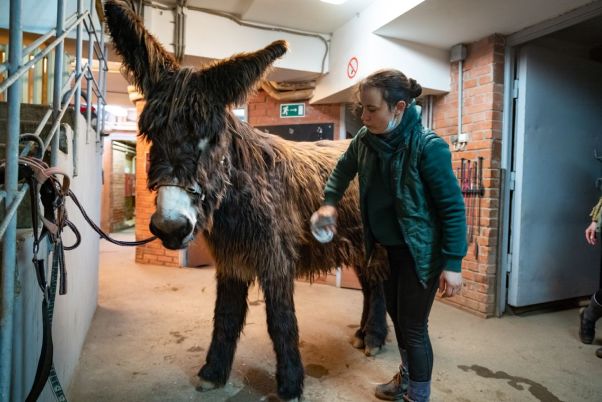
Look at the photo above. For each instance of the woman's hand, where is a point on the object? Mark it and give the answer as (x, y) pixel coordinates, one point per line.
(325, 218)
(450, 283)
(590, 234)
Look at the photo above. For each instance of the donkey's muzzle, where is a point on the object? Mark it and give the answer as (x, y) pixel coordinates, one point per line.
(175, 233)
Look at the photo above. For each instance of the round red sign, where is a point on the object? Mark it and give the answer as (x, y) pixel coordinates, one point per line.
(352, 67)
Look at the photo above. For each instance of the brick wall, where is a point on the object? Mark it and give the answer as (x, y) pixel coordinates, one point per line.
(107, 161)
(264, 110)
(153, 252)
(117, 190)
(483, 74)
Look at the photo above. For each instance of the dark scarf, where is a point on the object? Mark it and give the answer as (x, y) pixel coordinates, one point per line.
(386, 145)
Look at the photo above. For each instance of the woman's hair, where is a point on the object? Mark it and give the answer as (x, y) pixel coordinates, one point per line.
(393, 85)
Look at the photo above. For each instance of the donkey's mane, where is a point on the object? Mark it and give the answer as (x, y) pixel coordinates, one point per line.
(253, 150)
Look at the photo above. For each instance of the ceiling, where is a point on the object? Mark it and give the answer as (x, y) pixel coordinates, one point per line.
(306, 15)
(445, 23)
(436, 23)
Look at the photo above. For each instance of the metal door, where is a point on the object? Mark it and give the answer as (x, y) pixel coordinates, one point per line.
(558, 127)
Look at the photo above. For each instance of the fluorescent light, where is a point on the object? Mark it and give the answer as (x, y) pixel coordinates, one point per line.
(334, 1)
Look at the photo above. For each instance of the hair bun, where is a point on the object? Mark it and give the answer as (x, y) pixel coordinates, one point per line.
(415, 88)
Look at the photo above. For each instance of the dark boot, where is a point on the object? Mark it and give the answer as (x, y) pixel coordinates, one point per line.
(395, 389)
(599, 353)
(589, 316)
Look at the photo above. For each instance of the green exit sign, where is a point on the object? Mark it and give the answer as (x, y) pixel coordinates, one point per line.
(292, 109)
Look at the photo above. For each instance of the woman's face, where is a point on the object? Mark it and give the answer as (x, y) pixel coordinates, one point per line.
(376, 114)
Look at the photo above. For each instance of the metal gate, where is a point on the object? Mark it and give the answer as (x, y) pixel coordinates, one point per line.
(67, 88)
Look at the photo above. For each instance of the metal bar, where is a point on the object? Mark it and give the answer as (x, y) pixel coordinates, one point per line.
(100, 99)
(92, 30)
(89, 77)
(78, 88)
(57, 120)
(9, 243)
(96, 85)
(39, 129)
(35, 44)
(99, 52)
(58, 81)
(25, 68)
(12, 210)
(67, 84)
(102, 73)
(43, 123)
(70, 18)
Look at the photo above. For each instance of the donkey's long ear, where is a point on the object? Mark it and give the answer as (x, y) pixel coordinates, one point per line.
(232, 79)
(143, 57)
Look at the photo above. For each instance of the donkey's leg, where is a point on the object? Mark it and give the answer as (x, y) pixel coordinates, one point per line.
(229, 318)
(374, 316)
(358, 338)
(282, 327)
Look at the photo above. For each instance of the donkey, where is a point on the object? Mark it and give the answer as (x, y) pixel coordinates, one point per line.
(250, 195)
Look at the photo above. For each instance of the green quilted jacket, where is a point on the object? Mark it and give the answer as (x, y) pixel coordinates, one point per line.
(428, 200)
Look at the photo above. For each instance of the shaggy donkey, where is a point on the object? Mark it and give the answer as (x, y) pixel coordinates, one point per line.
(250, 194)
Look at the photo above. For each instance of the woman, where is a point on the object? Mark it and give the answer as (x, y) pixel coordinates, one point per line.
(411, 204)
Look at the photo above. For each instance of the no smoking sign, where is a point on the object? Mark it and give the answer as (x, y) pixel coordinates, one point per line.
(352, 67)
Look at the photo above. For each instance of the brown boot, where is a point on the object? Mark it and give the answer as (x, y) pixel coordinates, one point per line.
(395, 389)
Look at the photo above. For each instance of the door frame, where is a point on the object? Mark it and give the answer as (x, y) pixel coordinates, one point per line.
(507, 177)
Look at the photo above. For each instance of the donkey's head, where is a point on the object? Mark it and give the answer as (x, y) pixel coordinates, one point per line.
(186, 119)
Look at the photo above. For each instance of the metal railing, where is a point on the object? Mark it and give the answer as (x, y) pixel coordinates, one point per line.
(12, 195)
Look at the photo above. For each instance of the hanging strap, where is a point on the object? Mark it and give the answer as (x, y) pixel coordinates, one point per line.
(43, 184)
(45, 370)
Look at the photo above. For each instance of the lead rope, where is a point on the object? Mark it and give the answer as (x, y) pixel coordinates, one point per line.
(100, 231)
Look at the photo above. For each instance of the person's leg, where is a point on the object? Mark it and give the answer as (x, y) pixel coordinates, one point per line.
(397, 387)
(589, 316)
(413, 309)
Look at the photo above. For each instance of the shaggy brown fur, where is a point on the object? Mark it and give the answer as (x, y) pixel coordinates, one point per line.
(258, 192)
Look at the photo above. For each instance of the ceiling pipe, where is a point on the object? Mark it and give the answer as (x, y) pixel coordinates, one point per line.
(180, 31)
(156, 4)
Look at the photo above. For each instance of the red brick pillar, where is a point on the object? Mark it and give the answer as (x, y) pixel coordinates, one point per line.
(153, 252)
(483, 89)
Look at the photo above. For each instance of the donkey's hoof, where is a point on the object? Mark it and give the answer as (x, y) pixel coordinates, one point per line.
(372, 350)
(204, 385)
(357, 342)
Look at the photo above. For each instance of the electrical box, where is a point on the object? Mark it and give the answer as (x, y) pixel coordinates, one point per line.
(457, 53)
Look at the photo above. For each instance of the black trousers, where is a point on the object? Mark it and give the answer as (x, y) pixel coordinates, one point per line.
(598, 294)
(409, 305)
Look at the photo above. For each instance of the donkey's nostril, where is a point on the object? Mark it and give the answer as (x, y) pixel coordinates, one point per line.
(174, 232)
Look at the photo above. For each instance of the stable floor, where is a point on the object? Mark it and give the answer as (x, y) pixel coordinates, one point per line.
(153, 326)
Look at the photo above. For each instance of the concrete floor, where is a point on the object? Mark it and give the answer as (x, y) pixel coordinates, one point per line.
(153, 326)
